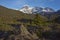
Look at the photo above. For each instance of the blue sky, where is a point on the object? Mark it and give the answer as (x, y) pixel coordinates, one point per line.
(17, 4)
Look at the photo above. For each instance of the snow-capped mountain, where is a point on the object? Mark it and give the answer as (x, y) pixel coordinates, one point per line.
(40, 9)
(30, 10)
(47, 9)
(26, 9)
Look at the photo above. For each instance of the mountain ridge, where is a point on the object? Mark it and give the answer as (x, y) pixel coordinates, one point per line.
(33, 10)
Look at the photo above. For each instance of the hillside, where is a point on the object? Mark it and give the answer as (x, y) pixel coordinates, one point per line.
(10, 14)
(15, 25)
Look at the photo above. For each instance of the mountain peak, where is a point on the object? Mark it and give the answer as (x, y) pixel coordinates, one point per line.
(26, 9)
